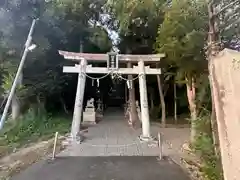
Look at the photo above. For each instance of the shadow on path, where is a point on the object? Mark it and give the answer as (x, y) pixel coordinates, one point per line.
(104, 168)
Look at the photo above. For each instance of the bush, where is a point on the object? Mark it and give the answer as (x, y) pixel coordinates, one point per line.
(204, 148)
(35, 125)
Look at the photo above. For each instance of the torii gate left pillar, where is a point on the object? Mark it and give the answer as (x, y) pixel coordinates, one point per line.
(78, 106)
(140, 70)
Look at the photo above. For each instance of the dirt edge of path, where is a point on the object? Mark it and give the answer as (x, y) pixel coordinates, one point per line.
(25, 157)
(192, 163)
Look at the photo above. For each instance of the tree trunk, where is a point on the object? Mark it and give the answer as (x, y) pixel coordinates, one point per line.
(191, 95)
(162, 101)
(151, 99)
(165, 89)
(133, 119)
(214, 48)
(64, 105)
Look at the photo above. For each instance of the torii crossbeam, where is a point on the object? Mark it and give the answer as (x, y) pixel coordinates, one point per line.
(82, 69)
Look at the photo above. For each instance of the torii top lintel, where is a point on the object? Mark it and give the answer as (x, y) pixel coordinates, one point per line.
(104, 57)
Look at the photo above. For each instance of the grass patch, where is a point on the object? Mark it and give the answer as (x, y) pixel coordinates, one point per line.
(32, 127)
(204, 148)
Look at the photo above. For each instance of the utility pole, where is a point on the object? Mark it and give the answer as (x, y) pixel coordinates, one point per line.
(28, 47)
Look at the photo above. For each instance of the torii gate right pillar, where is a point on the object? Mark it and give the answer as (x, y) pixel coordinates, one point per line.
(144, 103)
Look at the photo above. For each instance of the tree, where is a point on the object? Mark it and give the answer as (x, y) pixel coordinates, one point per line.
(136, 23)
(182, 37)
(135, 12)
(60, 26)
(162, 101)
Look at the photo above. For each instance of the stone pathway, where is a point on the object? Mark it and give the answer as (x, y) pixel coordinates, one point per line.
(112, 151)
(113, 137)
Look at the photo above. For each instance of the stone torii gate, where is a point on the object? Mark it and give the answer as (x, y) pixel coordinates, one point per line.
(113, 60)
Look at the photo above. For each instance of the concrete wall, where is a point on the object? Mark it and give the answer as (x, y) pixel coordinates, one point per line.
(225, 74)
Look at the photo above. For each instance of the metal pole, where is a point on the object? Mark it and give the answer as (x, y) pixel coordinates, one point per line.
(160, 146)
(54, 146)
(20, 67)
(175, 103)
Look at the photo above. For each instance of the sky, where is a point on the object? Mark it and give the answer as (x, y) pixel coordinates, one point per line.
(112, 34)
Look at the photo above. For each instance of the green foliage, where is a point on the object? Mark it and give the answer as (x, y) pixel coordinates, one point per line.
(35, 125)
(61, 25)
(136, 12)
(98, 37)
(7, 84)
(204, 147)
(136, 23)
(203, 126)
(203, 98)
(182, 36)
(228, 14)
(154, 113)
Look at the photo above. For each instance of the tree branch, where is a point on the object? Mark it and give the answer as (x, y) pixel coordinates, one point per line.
(226, 7)
(230, 25)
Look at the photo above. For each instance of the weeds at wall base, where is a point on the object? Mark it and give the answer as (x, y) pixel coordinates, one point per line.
(204, 149)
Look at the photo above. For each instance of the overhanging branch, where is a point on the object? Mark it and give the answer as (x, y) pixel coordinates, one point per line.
(226, 7)
(230, 25)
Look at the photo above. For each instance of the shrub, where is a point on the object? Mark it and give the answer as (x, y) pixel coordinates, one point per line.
(204, 148)
(35, 125)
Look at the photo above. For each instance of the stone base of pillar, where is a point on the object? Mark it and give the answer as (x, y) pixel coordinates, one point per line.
(146, 138)
(89, 123)
(89, 119)
(78, 139)
(89, 115)
(73, 140)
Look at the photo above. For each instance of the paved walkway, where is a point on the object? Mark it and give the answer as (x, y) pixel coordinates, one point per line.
(112, 151)
(104, 168)
(112, 137)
